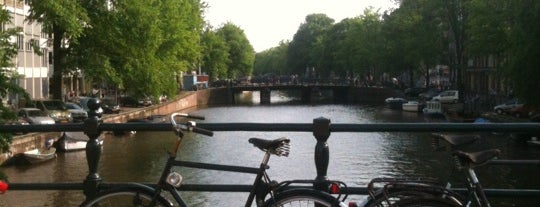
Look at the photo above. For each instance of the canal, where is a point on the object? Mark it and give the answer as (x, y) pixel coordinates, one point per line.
(355, 158)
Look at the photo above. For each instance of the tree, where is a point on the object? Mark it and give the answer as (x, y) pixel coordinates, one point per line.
(457, 15)
(305, 49)
(139, 46)
(215, 55)
(415, 38)
(524, 50)
(241, 53)
(8, 50)
(65, 20)
(273, 60)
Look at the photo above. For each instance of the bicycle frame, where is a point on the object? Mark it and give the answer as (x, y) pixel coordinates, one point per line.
(476, 191)
(261, 186)
(170, 181)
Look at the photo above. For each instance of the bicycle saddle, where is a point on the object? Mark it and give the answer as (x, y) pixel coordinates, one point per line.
(477, 158)
(279, 147)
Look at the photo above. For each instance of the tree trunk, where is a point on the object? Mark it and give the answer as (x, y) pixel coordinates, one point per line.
(58, 64)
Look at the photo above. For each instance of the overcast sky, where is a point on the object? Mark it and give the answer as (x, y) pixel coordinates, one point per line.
(267, 22)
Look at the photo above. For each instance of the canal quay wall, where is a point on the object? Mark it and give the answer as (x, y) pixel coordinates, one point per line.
(191, 99)
(186, 100)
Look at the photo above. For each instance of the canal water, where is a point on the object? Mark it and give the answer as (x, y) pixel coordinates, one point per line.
(355, 158)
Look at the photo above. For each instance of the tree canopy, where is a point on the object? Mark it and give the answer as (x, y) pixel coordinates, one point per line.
(8, 86)
(417, 36)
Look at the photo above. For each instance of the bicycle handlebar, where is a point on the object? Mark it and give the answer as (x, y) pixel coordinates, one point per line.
(186, 116)
(190, 125)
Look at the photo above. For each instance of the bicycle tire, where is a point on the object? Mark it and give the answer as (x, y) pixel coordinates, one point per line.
(425, 202)
(128, 196)
(391, 196)
(302, 197)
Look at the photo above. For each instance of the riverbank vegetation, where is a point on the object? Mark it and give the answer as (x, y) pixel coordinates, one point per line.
(415, 37)
(140, 47)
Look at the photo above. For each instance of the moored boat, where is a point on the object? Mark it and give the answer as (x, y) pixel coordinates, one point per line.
(41, 155)
(433, 108)
(394, 102)
(412, 106)
(73, 141)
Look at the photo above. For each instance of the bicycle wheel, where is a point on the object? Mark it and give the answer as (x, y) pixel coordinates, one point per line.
(302, 198)
(425, 202)
(391, 195)
(125, 197)
(391, 198)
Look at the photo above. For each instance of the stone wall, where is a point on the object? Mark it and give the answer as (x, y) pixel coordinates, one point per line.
(185, 101)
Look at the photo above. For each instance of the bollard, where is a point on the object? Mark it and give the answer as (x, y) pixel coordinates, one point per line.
(321, 131)
(93, 148)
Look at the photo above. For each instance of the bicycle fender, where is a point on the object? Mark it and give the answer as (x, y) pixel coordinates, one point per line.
(136, 187)
(433, 190)
(311, 191)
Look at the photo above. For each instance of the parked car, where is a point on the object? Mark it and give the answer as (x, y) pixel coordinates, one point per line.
(18, 121)
(429, 94)
(448, 96)
(135, 102)
(35, 116)
(507, 106)
(77, 112)
(524, 111)
(56, 109)
(109, 106)
(83, 102)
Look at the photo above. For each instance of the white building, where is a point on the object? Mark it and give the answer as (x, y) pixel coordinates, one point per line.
(34, 69)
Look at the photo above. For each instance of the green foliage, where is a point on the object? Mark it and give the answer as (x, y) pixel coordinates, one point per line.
(8, 86)
(241, 53)
(305, 50)
(139, 46)
(524, 50)
(414, 38)
(64, 19)
(215, 55)
(272, 60)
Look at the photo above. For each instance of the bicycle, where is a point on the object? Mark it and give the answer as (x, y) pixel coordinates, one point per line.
(465, 161)
(265, 192)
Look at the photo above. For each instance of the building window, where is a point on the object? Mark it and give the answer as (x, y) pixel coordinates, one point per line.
(29, 45)
(45, 57)
(20, 42)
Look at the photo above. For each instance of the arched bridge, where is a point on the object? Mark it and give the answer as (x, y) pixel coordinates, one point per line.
(308, 91)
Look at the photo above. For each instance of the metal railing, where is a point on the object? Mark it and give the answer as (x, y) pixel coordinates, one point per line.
(321, 128)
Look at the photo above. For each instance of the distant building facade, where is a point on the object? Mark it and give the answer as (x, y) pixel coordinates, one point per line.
(34, 69)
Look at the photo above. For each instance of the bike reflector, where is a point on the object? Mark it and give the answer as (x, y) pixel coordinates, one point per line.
(174, 179)
(3, 187)
(334, 188)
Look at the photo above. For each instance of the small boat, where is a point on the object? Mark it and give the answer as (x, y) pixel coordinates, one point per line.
(533, 141)
(412, 106)
(433, 108)
(458, 139)
(73, 141)
(152, 119)
(394, 103)
(41, 155)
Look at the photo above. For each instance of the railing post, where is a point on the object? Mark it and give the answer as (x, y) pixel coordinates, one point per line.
(321, 131)
(93, 148)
